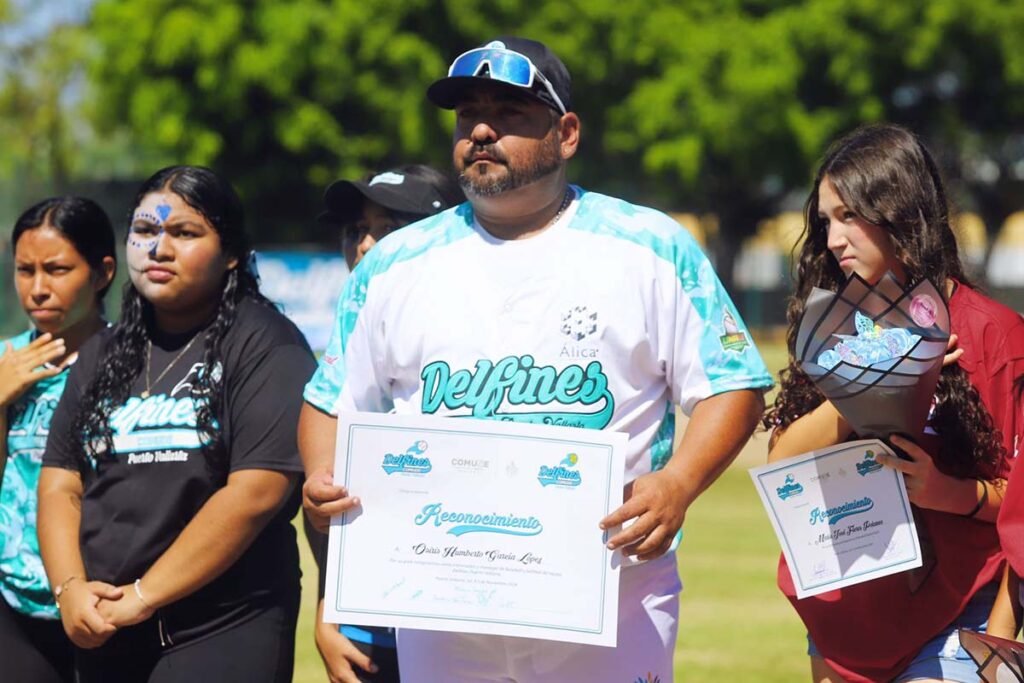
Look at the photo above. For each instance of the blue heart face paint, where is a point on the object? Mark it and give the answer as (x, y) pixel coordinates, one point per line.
(174, 255)
(146, 230)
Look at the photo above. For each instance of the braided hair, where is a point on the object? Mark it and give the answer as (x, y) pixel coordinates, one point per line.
(124, 356)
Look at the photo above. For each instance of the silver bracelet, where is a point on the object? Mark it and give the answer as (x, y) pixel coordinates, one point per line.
(138, 592)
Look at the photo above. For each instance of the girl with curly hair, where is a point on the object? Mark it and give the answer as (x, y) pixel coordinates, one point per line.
(169, 477)
(64, 262)
(877, 205)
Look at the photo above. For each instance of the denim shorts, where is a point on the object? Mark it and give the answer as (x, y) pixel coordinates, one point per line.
(943, 657)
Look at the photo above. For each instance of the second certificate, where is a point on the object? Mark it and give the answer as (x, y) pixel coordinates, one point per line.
(476, 526)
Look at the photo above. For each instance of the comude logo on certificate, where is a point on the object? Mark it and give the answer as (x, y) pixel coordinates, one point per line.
(476, 526)
(840, 516)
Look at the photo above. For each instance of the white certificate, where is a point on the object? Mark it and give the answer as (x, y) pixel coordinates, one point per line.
(841, 517)
(476, 526)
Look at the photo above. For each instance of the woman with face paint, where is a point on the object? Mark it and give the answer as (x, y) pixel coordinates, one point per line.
(64, 262)
(169, 478)
(878, 205)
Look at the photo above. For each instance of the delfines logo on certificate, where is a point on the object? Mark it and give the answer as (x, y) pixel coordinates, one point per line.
(868, 464)
(789, 488)
(409, 462)
(563, 474)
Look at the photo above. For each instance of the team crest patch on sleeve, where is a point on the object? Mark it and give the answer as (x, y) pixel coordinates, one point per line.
(734, 339)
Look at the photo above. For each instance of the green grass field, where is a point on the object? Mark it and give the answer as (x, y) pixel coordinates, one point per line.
(734, 624)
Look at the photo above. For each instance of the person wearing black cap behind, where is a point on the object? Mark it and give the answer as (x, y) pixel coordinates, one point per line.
(600, 313)
(366, 210)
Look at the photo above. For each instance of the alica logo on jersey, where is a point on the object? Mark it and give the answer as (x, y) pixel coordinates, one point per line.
(409, 462)
(834, 514)
(516, 381)
(474, 522)
(563, 474)
(578, 323)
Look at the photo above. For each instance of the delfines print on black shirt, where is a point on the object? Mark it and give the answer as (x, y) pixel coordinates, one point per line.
(137, 503)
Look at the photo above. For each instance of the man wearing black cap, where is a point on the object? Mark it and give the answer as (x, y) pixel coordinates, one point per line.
(541, 302)
(366, 210)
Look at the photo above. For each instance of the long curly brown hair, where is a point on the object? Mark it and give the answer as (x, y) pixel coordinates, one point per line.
(885, 175)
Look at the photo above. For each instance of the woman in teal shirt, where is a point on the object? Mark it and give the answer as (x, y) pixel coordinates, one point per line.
(64, 263)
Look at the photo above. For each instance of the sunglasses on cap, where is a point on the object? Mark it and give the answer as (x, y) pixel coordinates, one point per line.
(502, 65)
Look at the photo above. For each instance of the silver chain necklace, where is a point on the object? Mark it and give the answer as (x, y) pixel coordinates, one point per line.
(149, 354)
(566, 201)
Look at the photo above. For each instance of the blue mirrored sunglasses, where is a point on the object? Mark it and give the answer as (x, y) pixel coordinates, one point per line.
(505, 66)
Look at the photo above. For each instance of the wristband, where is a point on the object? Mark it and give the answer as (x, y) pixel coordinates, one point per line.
(138, 594)
(59, 590)
(981, 501)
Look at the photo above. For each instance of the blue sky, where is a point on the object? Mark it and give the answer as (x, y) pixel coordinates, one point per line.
(34, 17)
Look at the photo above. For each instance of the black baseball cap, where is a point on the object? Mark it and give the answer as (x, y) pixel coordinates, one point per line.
(448, 92)
(394, 189)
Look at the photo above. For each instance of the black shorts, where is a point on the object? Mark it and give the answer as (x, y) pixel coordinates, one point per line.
(33, 650)
(260, 649)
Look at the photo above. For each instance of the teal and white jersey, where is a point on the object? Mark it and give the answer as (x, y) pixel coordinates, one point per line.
(23, 582)
(604, 320)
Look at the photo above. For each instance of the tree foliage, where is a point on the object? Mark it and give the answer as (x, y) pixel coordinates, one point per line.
(718, 105)
(35, 123)
(283, 97)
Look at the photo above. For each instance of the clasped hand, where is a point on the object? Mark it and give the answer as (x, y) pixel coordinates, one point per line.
(127, 610)
(93, 611)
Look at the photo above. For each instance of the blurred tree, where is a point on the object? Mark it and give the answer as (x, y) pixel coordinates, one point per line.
(707, 105)
(34, 78)
(736, 99)
(49, 146)
(282, 97)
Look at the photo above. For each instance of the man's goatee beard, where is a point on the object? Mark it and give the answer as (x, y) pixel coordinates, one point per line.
(547, 161)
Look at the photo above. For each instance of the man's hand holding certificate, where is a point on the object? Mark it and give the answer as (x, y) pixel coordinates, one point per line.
(476, 526)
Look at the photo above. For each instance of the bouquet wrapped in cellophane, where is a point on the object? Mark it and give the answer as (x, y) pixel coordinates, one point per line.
(999, 660)
(876, 351)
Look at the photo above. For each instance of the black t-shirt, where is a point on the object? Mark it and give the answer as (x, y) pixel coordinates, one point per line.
(138, 502)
